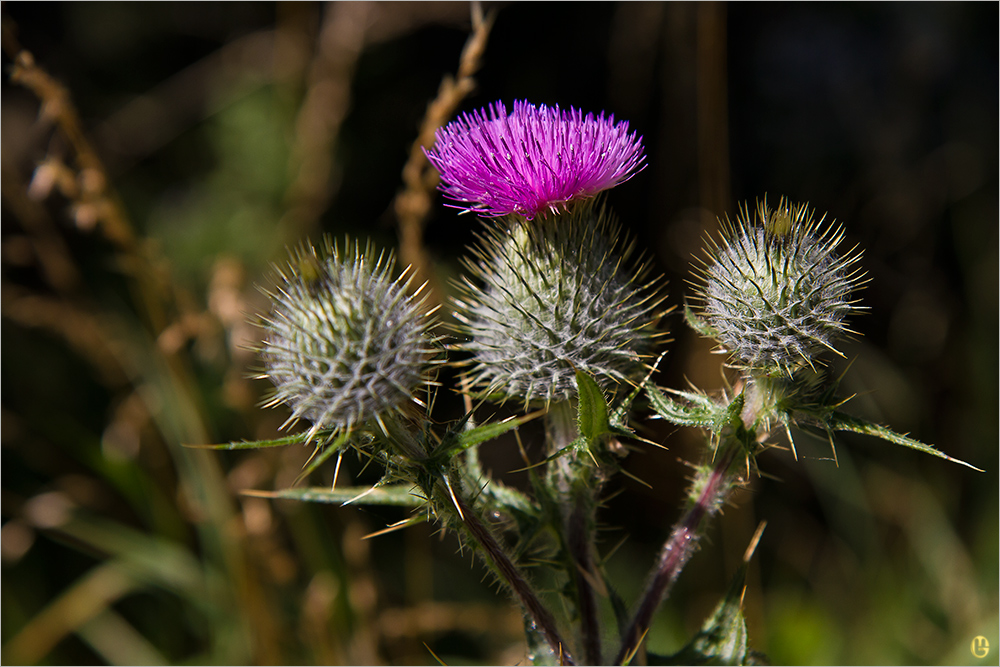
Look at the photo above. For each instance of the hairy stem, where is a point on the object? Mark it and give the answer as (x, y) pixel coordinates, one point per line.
(683, 541)
(508, 572)
(577, 506)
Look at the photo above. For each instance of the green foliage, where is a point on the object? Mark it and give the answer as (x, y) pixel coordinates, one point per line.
(592, 408)
(459, 439)
(294, 439)
(699, 411)
(839, 421)
(722, 640)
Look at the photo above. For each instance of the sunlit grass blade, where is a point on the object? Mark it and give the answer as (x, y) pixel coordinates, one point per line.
(118, 642)
(152, 559)
(82, 601)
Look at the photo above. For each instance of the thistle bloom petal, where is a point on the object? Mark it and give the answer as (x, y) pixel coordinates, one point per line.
(534, 160)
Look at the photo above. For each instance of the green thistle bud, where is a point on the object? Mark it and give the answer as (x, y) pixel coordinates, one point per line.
(344, 341)
(554, 295)
(775, 293)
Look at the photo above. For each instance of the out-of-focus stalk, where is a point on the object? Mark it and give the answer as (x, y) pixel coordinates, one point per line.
(710, 488)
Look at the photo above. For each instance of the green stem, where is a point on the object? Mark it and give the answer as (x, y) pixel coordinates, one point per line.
(576, 490)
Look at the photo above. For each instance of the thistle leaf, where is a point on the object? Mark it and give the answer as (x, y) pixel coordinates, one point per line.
(393, 494)
(722, 640)
(539, 651)
(700, 411)
(698, 324)
(483, 433)
(296, 439)
(838, 421)
(323, 454)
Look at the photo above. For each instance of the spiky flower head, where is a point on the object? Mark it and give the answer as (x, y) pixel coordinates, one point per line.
(774, 292)
(552, 296)
(344, 341)
(536, 159)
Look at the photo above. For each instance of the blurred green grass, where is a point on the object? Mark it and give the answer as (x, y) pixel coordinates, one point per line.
(120, 546)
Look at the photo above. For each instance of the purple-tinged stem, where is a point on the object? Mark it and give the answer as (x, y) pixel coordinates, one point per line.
(540, 615)
(678, 548)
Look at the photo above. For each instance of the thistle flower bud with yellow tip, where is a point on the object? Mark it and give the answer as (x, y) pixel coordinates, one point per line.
(773, 291)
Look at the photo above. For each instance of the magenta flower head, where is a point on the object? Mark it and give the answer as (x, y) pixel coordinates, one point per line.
(534, 160)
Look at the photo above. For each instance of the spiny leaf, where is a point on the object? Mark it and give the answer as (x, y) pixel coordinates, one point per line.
(295, 439)
(696, 398)
(539, 651)
(394, 494)
(577, 445)
(698, 324)
(838, 421)
(484, 433)
(722, 640)
(619, 416)
(702, 412)
(734, 413)
(323, 454)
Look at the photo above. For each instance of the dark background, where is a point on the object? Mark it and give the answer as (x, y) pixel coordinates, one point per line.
(120, 546)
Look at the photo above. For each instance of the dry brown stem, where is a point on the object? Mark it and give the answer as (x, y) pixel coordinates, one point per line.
(47, 246)
(95, 197)
(413, 204)
(326, 103)
(95, 203)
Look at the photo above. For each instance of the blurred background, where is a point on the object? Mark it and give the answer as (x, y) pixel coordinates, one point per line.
(208, 136)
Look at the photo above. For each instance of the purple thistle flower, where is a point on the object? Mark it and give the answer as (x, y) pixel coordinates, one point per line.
(536, 159)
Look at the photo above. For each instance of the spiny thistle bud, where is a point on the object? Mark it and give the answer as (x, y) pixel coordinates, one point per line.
(537, 159)
(344, 341)
(552, 296)
(775, 294)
